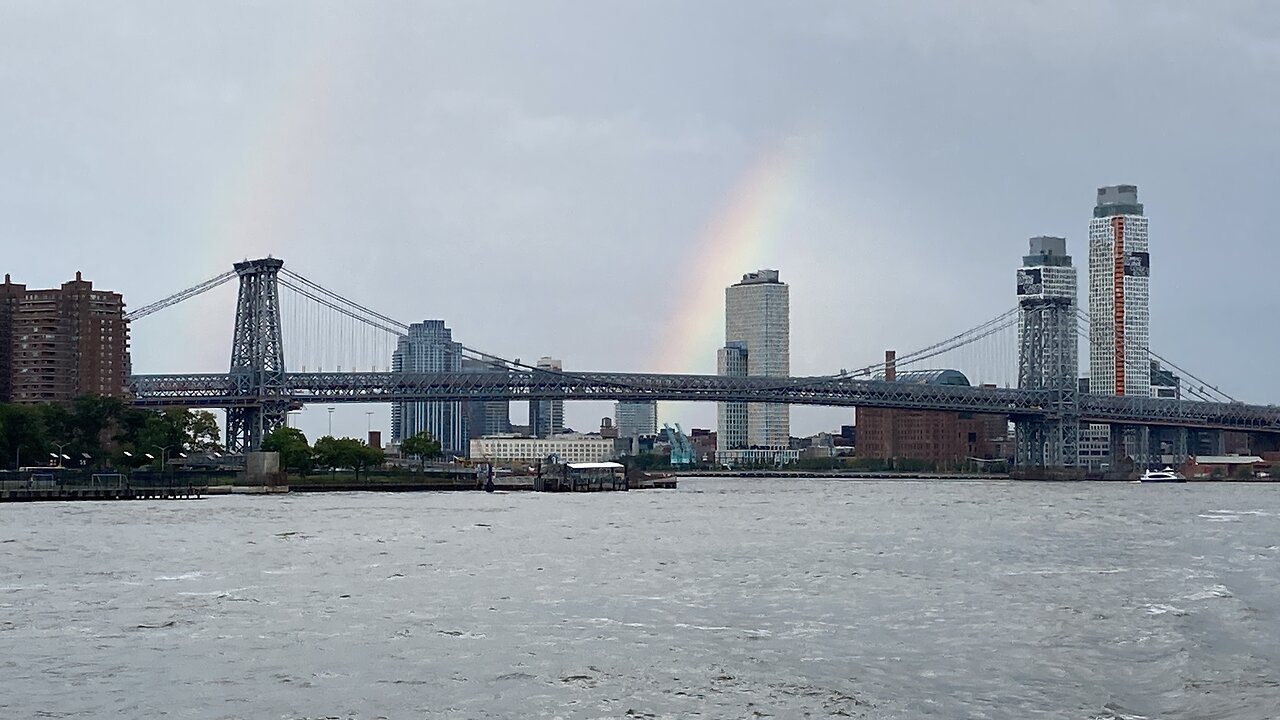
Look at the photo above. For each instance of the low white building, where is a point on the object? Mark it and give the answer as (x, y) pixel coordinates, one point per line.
(569, 447)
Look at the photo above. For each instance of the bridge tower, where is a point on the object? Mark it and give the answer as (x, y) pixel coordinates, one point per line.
(257, 357)
(1047, 355)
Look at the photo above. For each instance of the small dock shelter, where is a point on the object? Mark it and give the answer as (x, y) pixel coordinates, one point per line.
(581, 477)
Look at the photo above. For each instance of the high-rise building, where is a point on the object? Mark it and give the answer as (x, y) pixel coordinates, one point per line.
(10, 297)
(546, 417)
(58, 344)
(636, 418)
(485, 417)
(1119, 275)
(757, 338)
(1048, 349)
(429, 347)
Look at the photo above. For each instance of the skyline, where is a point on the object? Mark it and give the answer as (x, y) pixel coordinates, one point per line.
(412, 157)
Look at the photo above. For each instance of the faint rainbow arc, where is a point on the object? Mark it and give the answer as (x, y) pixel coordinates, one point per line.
(747, 233)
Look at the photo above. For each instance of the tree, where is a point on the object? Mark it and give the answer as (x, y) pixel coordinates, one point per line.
(422, 446)
(295, 451)
(202, 432)
(23, 436)
(367, 457)
(337, 453)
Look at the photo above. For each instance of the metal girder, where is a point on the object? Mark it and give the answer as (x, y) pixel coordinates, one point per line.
(237, 390)
(257, 356)
(1047, 362)
(1130, 410)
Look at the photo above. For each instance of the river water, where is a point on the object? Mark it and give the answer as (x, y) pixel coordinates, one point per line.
(723, 599)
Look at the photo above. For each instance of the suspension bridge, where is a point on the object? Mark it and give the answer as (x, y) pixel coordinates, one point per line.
(349, 362)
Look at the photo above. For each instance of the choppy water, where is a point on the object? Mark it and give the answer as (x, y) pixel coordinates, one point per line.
(724, 599)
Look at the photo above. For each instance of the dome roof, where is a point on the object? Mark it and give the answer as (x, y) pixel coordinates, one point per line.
(929, 377)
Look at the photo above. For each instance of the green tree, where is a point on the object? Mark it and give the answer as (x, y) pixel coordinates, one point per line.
(335, 453)
(295, 452)
(163, 435)
(24, 437)
(94, 425)
(202, 432)
(422, 446)
(367, 457)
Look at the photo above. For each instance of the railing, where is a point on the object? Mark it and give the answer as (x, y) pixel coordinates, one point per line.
(73, 484)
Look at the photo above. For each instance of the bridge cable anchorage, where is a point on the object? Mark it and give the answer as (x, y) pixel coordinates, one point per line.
(178, 297)
(1215, 396)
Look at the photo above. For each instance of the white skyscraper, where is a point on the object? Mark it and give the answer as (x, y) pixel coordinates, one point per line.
(1119, 275)
(757, 333)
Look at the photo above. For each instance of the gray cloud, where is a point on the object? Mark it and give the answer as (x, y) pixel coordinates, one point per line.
(540, 174)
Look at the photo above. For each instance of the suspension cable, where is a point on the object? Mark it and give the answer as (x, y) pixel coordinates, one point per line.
(1083, 316)
(178, 297)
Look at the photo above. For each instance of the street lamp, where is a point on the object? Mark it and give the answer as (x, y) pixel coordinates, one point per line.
(59, 454)
(330, 421)
(163, 450)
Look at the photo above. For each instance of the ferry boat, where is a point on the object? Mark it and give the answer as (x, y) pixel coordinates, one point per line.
(1166, 475)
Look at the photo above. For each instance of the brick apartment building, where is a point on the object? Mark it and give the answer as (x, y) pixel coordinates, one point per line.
(935, 436)
(59, 344)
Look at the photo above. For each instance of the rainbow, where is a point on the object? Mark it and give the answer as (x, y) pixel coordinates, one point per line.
(744, 235)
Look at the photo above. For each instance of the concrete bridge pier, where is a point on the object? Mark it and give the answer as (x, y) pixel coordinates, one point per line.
(1168, 446)
(1047, 448)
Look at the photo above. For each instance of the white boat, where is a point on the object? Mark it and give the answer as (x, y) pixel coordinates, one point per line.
(1167, 475)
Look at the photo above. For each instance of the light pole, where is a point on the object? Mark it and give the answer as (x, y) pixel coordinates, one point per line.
(163, 450)
(60, 455)
(330, 421)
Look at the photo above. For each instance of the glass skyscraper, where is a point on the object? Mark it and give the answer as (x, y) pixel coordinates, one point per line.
(429, 347)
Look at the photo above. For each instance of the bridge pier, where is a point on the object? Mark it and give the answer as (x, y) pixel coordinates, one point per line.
(1206, 442)
(1168, 446)
(1131, 448)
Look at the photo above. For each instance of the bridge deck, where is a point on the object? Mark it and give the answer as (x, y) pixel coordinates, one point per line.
(225, 390)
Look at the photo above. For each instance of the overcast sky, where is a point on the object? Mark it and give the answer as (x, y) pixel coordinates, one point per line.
(568, 178)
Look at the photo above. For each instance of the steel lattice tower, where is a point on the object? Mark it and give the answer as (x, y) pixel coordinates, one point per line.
(257, 357)
(1047, 354)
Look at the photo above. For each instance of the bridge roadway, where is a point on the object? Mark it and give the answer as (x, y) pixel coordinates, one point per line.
(222, 390)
